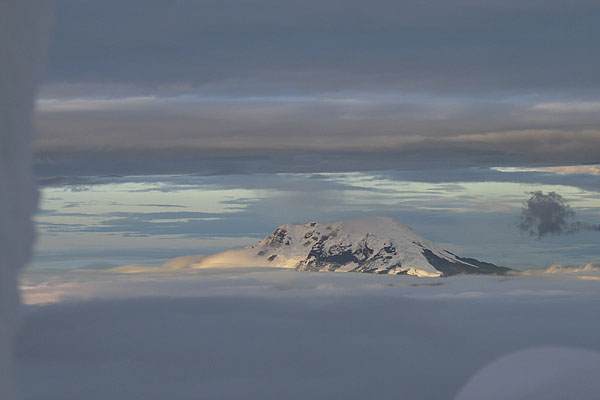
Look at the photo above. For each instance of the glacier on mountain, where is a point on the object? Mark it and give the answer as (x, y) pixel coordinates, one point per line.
(380, 245)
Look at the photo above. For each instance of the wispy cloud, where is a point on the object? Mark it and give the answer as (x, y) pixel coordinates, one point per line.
(585, 271)
(92, 104)
(575, 106)
(559, 169)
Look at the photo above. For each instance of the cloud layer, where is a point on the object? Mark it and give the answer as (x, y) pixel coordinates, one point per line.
(194, 87)
(324, 132)
(264, 334)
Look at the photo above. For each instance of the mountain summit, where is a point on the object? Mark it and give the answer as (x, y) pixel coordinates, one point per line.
(380, 245)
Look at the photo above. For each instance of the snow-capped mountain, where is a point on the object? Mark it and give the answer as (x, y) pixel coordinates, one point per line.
(379, 245)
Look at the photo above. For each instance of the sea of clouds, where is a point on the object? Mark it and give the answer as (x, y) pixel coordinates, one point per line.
(259, 333)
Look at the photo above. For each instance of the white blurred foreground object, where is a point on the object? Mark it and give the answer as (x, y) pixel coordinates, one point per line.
(24, 27)
(544, 373)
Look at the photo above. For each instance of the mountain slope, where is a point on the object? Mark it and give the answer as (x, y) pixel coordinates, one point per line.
(371, 245)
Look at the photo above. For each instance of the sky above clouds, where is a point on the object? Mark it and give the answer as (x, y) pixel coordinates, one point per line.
(214, 122)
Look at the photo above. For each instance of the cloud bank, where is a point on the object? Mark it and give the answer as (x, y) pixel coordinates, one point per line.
(272, 334)
(228, 259)
(194, 87)
(203, 134)
(589, 271)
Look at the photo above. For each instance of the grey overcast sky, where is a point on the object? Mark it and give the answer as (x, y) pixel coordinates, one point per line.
(194, 126)
(207, 86)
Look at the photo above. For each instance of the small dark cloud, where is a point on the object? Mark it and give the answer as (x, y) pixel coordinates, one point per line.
(549, 214)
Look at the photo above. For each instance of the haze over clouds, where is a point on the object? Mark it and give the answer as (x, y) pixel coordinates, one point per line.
(238, 258)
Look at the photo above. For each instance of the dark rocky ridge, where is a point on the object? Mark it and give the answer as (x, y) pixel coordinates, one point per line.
(449, 268)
